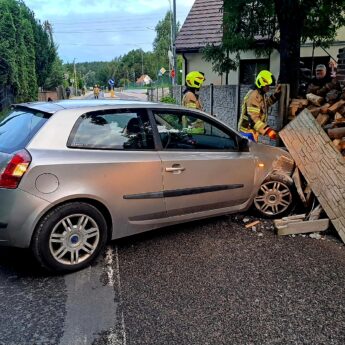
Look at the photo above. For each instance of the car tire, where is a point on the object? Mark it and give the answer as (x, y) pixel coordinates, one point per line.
(275, 196)
(69, 237)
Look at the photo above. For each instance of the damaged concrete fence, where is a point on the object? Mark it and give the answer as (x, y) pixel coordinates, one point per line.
(321, 164)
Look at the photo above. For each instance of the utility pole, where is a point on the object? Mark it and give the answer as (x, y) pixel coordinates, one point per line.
(75, 78)
(142, 62)
(174, 79)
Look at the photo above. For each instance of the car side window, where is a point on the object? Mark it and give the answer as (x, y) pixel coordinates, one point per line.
(179, 130)
(123, 129)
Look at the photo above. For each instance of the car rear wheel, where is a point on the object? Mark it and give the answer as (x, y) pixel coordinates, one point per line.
(275, 197)
(69, 237)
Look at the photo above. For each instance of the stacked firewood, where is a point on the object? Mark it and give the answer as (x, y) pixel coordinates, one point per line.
(329, 113)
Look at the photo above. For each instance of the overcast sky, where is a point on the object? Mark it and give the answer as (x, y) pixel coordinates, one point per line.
(99, 30)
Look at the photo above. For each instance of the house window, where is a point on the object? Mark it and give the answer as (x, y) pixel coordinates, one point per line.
(249, 69)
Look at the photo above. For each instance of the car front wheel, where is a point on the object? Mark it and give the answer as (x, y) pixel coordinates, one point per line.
(275, 197)
(69, 237)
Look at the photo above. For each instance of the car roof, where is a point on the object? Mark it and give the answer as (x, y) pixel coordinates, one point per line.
(52, 107)
(104, 104)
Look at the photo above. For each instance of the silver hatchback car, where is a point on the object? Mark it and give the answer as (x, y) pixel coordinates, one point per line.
(75, 174)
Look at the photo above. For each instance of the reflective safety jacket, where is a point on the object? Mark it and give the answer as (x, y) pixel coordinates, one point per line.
(190, 100)
(254, 112)
(96, 91)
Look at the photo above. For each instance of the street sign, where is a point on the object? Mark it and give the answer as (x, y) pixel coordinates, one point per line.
(162, 70)
(172, 73)
(111, 82)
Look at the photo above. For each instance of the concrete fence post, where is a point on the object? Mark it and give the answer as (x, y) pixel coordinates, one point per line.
(181, 94)
(211, 99)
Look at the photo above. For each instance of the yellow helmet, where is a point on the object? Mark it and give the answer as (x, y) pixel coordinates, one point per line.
(195, 79)
(264, 78)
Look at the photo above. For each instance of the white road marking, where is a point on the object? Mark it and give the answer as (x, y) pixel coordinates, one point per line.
(90, 307)
(117, 267)
(109, 266)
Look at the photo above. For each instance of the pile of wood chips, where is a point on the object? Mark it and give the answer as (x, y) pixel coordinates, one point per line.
(330, 115)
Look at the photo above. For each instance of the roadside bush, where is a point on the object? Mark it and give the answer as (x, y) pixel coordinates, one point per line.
(168, 99)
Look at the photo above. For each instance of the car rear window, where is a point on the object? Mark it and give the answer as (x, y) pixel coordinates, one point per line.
(122, 129)
(17, 129)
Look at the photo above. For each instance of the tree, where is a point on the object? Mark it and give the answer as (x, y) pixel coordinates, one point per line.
(314, 20)
(56, 75)
(162, 41)
(8, 67)
(29, 66)
(243, 22)
(27, 51)
(46, 53)
(264, 25)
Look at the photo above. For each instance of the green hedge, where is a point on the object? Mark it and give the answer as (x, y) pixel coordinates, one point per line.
(168, 99)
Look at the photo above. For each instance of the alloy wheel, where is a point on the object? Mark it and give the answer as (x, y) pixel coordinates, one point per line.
(273, 198)
(74, 239)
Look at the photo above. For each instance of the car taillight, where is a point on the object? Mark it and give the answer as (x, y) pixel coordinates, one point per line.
(15, 169)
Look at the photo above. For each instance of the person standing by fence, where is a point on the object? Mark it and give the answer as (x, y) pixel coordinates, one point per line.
(68, 92)
(194, 81)
(96, 91)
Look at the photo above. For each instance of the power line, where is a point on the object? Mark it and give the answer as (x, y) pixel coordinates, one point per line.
(110, 21)
(100, 30)
(127, 22)
(104, 45)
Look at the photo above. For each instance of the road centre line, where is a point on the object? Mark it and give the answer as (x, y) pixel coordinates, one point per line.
(118, 277)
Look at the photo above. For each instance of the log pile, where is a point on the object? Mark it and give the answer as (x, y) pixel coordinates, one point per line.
(329, 113)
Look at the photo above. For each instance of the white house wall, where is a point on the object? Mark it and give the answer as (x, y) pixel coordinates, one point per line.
(196, 63)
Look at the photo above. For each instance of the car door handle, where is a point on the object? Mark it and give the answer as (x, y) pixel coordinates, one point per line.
(175, 169)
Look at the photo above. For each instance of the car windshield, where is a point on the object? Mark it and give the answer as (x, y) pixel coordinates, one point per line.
(17, 129)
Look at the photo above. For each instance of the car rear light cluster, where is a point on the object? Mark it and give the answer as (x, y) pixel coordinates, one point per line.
(15, 169)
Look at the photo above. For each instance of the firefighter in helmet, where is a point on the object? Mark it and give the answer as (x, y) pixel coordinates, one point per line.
(194, 81)
(254, 112)
(96, 91)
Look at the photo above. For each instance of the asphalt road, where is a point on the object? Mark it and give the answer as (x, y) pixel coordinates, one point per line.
(208, 282)
(134, 95)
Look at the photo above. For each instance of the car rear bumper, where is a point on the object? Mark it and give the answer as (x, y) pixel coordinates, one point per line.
(19, 214)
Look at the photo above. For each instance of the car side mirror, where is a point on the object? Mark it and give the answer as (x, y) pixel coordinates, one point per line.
(243, 144)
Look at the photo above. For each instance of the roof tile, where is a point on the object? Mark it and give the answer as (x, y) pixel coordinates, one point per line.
(202, 26)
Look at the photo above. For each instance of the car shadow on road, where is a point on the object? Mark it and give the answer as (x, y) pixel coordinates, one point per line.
(21, 262)
(169, 231)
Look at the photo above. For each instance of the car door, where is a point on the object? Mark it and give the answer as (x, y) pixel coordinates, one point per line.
(124, 168)
(203, 169)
